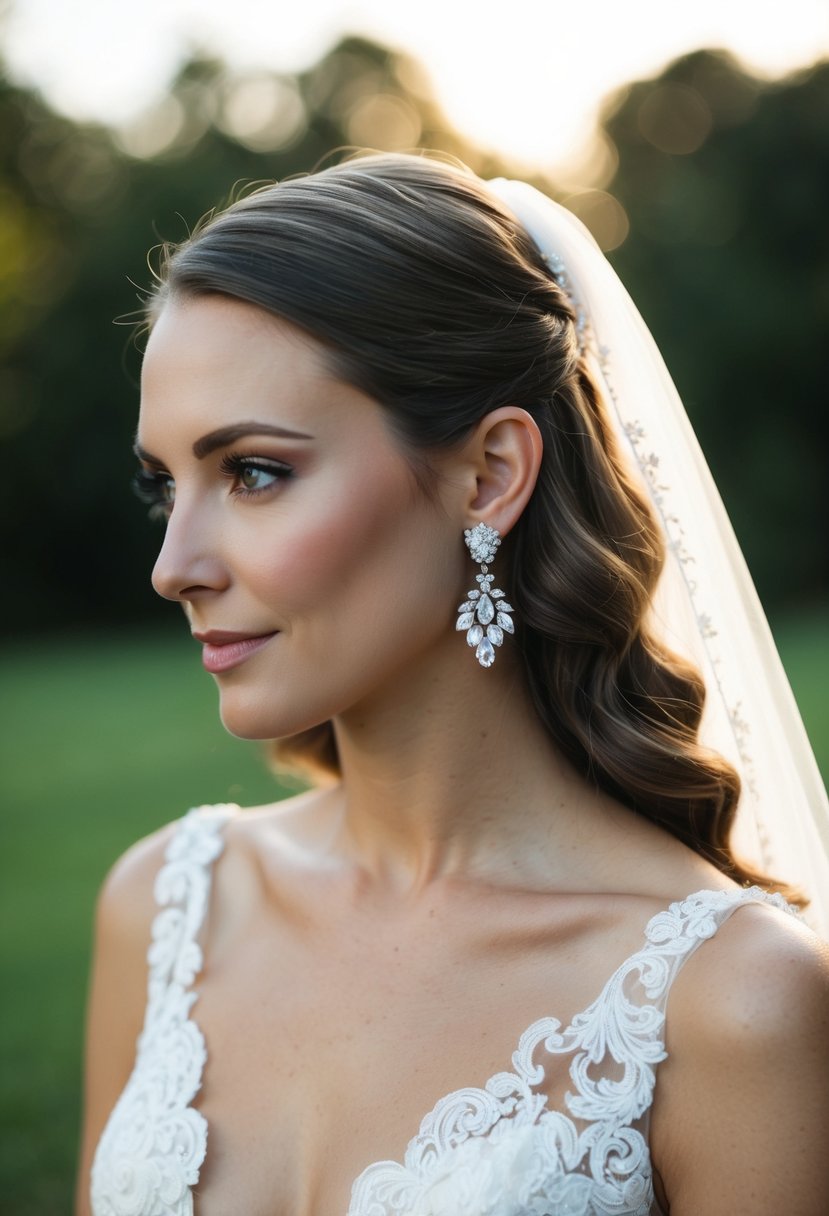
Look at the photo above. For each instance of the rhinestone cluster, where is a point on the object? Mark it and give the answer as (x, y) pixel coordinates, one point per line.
(482, 541)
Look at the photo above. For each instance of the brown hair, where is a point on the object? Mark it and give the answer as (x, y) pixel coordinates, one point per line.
(435, 302)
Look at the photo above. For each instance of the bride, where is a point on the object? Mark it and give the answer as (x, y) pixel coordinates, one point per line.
(437, 520)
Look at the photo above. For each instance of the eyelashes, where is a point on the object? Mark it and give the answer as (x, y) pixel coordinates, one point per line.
(246, 471)
(250, 478)
(157, 491)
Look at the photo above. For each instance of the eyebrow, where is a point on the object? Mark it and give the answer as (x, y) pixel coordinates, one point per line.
(222, 437)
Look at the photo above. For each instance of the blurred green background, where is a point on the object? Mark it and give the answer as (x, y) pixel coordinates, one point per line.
(711, 196)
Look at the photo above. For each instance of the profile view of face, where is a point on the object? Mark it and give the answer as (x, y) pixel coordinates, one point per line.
(293, 518)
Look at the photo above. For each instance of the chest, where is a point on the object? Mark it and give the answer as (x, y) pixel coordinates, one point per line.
(377, 1068)
(327, 1048)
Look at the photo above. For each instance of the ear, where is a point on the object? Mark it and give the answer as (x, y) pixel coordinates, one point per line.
(503, 457)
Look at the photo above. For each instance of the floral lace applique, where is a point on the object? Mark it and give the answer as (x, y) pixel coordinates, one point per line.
(154, 1143)
(495, 1151)
(499, 1151)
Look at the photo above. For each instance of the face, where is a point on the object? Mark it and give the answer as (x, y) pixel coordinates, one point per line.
(306, 559)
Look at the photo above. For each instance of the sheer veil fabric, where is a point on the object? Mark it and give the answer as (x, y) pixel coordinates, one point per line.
(706, 606)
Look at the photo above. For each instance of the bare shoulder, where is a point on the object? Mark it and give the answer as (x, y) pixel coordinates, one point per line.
(249, 839)
(266, 851)
(742, 1101)
(125, 911)
(126, 902)
(764, 971)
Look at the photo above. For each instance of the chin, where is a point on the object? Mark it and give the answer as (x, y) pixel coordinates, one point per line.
(248, 719)
(256, 727)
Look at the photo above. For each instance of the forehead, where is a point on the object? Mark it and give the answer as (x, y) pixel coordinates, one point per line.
(211, 361)
(207, 338)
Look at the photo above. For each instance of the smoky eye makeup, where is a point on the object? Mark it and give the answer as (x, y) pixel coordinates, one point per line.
(254, 475)
(250, 477)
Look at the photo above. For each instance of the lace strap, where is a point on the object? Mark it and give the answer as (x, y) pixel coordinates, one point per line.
(674, 935)
(154, 1143)
(182, 891)
(631, 1030)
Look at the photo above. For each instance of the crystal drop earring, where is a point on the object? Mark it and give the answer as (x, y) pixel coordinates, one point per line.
(485, 614)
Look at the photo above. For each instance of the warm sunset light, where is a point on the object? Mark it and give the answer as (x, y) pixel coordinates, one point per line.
(525, 79)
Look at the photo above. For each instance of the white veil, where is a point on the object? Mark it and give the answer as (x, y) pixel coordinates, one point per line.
(706, 606)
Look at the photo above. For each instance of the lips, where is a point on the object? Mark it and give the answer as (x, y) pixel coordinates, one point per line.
(223, 650)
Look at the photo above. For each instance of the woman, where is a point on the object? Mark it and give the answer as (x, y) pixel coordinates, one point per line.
(516, 845)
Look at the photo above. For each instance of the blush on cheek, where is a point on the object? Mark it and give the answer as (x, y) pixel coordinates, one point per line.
(353, 606)
(343, 536)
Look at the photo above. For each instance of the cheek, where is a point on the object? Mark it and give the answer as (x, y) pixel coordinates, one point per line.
(360, 588)
(370, 564)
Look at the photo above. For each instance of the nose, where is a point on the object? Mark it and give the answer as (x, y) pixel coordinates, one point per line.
(188, 565)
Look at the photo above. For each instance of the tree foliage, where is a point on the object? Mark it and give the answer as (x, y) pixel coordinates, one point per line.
(726, 184)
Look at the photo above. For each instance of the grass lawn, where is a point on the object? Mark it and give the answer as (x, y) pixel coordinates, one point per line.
(102, 742)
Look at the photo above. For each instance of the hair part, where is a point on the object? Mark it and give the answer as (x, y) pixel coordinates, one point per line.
(432, 299)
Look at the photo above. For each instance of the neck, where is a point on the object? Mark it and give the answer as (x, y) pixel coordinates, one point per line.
(451, 772)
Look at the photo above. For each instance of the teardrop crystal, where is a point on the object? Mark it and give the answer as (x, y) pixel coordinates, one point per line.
(504, 607)
(495, 634)
(474, 636)
(467, 606)
(485, 610)
(485, 653)
(464, 621)
(505, 622)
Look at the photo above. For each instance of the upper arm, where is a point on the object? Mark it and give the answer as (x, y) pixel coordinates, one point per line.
(118, 991)
(741, 1113)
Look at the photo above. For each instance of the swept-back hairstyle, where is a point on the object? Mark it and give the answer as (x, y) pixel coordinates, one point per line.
(433, 300)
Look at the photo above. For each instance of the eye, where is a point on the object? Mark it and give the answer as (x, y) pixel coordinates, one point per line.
(254, 476)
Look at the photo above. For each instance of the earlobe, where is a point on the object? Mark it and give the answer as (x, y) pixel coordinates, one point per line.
(506, 449)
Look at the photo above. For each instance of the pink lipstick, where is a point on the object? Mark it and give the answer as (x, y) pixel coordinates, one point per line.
(222, 651)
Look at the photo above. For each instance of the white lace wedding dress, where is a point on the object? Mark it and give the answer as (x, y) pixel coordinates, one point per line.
(495, 1151)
